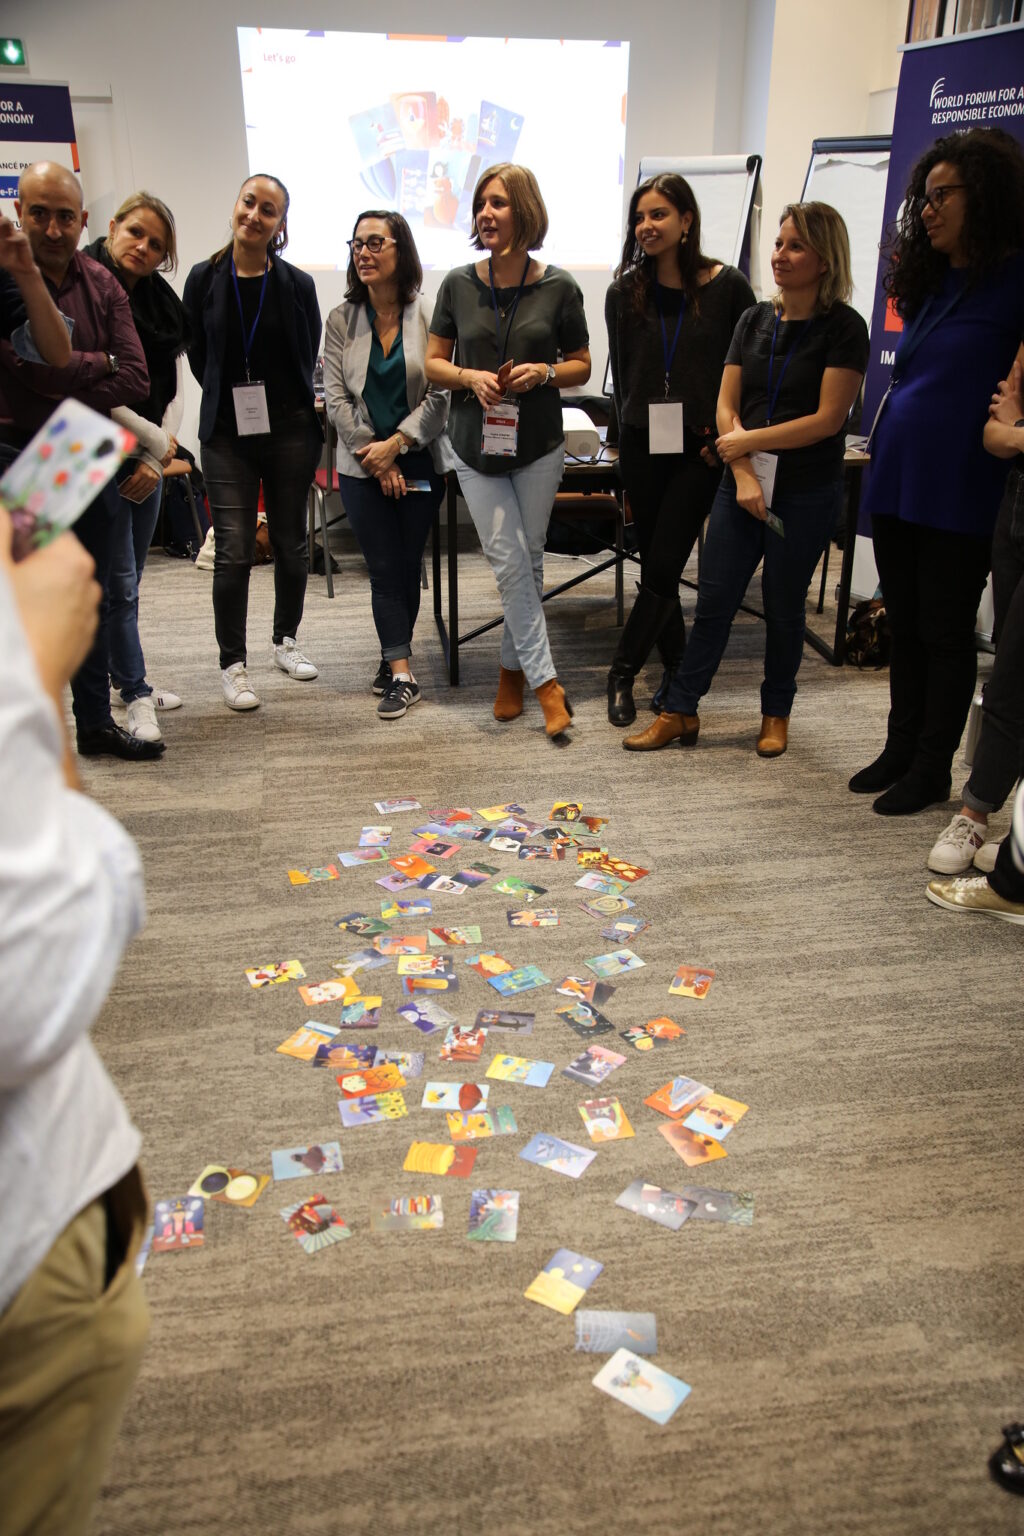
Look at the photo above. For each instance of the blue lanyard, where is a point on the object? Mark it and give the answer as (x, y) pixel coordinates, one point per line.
(248, 341)
(921, 326)
(669, 355)
(503, 345)
(773, 398)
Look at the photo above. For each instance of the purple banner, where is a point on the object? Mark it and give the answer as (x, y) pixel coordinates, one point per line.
(972, 81)
(36, 123)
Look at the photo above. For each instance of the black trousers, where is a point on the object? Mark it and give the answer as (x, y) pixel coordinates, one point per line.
(999, 759)
(670, 495)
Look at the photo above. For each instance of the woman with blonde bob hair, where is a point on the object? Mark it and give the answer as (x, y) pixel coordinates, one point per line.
(792, 372)
(521, 336)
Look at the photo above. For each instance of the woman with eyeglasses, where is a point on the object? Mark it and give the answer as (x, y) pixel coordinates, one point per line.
(956, 281)
(792, 372)
(521, 336)
(255, 337)
(390, 425)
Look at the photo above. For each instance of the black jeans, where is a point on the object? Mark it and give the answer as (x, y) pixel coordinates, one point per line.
(670, 495)
(932, 583)
(999, 759)
(285, 460)
(90, 686)
(392, 533)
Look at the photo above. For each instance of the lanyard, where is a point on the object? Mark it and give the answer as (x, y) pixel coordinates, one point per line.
(502, 346)
(773, 398)
(921, 326)
(248, 341)
(669, 355)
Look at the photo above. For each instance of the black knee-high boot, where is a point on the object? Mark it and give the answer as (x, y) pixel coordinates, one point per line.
(641, 631)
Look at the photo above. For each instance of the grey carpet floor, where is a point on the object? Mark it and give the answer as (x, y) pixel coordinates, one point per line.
(852, 1354)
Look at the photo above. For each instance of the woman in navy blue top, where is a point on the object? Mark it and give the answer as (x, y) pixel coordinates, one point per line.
(956, 279)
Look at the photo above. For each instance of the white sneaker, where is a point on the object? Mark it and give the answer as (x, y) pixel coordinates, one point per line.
(239, 693)
(290, 659)
(985, 858)
(204, 559)
(141, 720)
(162, 698)
(955, 849)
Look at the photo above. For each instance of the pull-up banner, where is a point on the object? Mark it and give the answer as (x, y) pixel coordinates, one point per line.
(972, 81)
(36, 123)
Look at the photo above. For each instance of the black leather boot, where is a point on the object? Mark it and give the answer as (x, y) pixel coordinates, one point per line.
(621, 709)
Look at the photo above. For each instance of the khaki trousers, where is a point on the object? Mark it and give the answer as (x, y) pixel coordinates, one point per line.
(70, 1347)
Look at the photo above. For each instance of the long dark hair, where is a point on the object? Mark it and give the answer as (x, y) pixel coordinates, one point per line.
(635, 271)
(280, 239)
(990, 164)
(408, 271)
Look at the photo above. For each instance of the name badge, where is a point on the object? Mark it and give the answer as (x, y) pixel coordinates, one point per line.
(765, 466)
(500, 433)
(665, 426)
(251, 414)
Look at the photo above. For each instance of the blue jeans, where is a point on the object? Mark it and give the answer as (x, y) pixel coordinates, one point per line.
(392, 533)
(736, 542)
(511, 515)
(132, 535)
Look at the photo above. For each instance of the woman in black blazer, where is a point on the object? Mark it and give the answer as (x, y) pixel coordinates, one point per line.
(256, 332)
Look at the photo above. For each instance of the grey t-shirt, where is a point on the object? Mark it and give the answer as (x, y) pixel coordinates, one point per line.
(548, 320)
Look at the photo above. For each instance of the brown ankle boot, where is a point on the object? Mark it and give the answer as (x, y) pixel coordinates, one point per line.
(509, 702)
(774, 732)
(666, 728)
(556, 707)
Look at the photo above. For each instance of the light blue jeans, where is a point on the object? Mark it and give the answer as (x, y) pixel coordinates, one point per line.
(132, 533)
(511, 515)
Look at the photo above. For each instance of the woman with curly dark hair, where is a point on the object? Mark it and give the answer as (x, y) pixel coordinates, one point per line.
(671, 313)
(956, 279)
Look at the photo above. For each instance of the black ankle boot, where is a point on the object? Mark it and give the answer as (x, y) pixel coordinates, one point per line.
(621, 709)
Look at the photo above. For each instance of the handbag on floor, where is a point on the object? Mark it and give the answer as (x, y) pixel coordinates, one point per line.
(868, 636)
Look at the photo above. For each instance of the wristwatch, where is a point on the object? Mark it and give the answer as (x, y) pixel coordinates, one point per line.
(551, 373)
(112, 362)
(403, 446)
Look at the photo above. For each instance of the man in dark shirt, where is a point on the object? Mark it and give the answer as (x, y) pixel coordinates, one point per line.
(25, 300)
(107, 368)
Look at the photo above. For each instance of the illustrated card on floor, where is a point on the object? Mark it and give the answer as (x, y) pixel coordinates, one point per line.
(437, 981)
(427, 1015)
(502, 1020)
(356, 1085)
(441, 1158)
(500, 812)
(343, 1057)
(518, 826)
(488, 963)
(305, 1042)
(622, 928)
(691, 981)
(585, 989)
(375, 837)
(356, 856)
(551, 853)
(359, 923)
(332, 991)
(564, 1281)
(315, 1223)
(463, 1042)
(395, 807)
(507, 842)
(493, 1215)
(615, 963)
(274, 975)
(464, 1096)
(677, 1097)
(522, 890)
(664, 1206)
(312, 876)
(360, 1013)
(620, 869)
(602, 1333)
(565, 810)
(641, 1385)
(524, 979)
(395, 882)
(595, 1064)
(560, 1156)
(408, 1213)
(475, 874)
(606, 1120)
(715, 1116)
(302, 1162)
(450, 816)
(438, 966)
(584, 1019)
(412, 866)
(459, 937)
(400, 943)
(444, 884)
(361, 960)
(656, 1032)
(606, 906)
(231, 1186)
(725, 1205)
(518, 1069)
(590, 858)
(478, 1125)
(412, 906)
(409, 1063)
(691, 1146)
(178, 1223)
(601, 884)
(533, 917)
(374, 1109)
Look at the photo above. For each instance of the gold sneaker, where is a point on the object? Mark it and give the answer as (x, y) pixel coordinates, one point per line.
(972, 893)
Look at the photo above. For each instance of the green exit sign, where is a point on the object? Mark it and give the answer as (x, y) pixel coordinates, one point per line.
(12, 53)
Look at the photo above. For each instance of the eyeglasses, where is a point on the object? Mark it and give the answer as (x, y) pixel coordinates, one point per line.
(374, 244)
(937, 196)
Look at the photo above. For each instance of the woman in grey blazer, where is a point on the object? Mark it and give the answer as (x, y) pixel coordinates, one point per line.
(392, 453)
